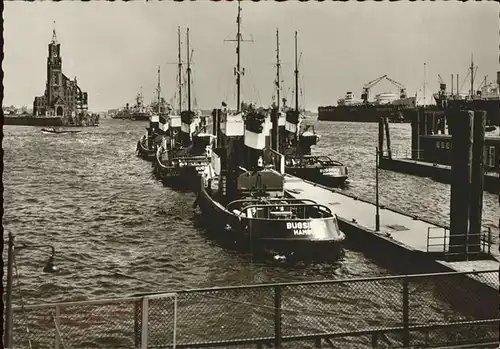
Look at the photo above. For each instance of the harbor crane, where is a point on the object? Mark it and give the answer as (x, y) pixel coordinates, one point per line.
(368, 86)
(402, 89)
(442, 84)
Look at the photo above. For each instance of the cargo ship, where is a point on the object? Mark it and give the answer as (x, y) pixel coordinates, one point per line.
(385, 104)
(486, 97)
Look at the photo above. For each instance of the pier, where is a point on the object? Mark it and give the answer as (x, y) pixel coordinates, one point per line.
(430, 154)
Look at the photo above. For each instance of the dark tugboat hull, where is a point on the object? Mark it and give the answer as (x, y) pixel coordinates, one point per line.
(179, 178)
(277, 237)
(144, 153)
(185, 177)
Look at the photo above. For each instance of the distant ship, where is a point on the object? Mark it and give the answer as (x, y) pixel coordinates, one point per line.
(139, 111)
(385, 104)
(486, 97)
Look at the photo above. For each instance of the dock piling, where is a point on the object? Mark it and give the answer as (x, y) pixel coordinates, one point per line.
(387, 137)
(377, 209)
(460, 182)
(381, 135)
(477, 182)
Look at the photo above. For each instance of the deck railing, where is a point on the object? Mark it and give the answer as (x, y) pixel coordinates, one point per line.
(396, 311)
(443, 245)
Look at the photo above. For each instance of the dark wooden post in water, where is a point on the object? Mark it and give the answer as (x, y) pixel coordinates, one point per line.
(461, 158)
(380, 136)
(387, 137)
(477, 183)
(415, 137)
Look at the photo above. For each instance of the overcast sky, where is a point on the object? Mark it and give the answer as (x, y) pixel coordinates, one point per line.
(115, 48)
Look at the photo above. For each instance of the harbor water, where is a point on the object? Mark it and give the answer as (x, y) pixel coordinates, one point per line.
(90, 197)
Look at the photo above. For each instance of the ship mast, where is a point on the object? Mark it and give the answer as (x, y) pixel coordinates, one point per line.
(296, 76)
(188, 73)
(238, 63)
(471, 76)
(425, 82)
(159, 91)
(180, 68)
(278, 65)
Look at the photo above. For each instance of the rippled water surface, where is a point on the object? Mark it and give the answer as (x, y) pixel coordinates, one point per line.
(97, 203)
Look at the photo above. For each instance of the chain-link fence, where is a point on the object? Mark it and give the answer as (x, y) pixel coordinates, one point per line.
(417, 310)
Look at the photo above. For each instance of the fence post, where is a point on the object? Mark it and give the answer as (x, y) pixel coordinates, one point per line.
(137, 326)
(406, 313)
(277, 316)
(58, 323)
(144, 327)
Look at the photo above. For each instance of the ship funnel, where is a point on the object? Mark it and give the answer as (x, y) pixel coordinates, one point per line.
(278, 120)
(188, 126)
(256, 132)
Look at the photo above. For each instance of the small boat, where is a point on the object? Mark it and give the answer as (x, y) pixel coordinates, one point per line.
(242, 193)
(288, 139)
(490, 128)
(52, 130)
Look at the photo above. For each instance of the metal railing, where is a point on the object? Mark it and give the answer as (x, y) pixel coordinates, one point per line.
(443, 246)
(404, 153)
(414, 310)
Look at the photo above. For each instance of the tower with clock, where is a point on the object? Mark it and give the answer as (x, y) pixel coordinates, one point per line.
(63, 97)
(54, 74)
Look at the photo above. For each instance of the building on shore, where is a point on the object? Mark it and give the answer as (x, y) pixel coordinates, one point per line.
(63, 97)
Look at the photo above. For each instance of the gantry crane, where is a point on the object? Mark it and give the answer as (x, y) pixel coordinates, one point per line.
(442, 85)
(368, 86)
(402, 89)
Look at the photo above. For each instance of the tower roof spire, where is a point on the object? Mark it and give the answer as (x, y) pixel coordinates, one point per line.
(54, 37)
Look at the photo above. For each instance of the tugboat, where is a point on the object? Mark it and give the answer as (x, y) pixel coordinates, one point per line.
(185, 149)
(147, 145)
(296, 145)
(242, 190)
